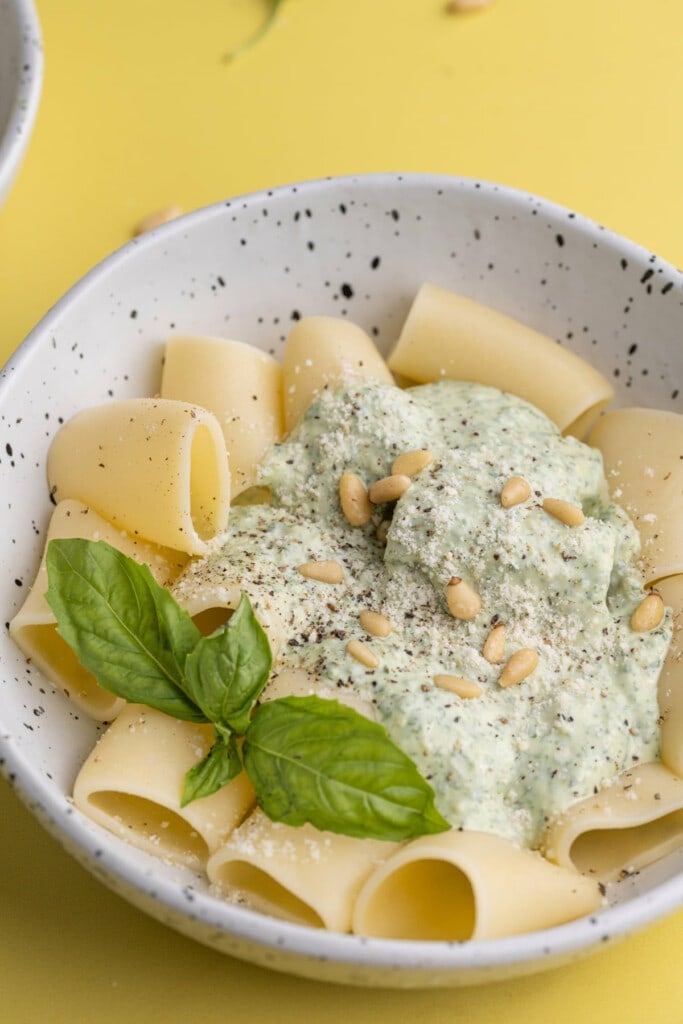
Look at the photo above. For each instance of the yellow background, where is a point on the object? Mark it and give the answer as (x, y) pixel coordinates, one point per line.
(578, 101)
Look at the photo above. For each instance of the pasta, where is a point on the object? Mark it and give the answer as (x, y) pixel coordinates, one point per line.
(34, 630)
(468, 885)
(299, 874)
(670, 691)
(642, 451)
(625, 827)
(160, 469)
(240, 385)
(448, 335)
(131, 783)
(322, 352)
(212, 607)
(156, 468)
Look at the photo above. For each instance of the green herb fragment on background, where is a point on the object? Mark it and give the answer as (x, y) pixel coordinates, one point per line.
(259, 34)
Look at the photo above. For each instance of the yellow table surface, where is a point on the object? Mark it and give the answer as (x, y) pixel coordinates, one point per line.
(579, 102)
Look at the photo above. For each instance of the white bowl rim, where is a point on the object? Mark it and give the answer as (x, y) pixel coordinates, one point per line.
(554, 944)
(27, 97)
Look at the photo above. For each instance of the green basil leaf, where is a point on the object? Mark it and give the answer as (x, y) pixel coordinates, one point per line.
(218, 767)
(314, 760)
(227, 670)
(122, 625)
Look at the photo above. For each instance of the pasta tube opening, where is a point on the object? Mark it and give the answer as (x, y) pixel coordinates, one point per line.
(151, 827)
(610, 854)
(156, 468)
(465, 885)
(423, 900)
(207, 514)
(132, 782)
(263, 893)
(211, 619)
(633, 822)
(42, 644)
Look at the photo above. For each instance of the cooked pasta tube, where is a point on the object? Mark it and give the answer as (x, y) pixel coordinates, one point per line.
(132, 781)
(468, 885)
(449, 336)
(34, 627)
(630, 823)
(240, 385)
(153, 467)
(298, 874)
(642, 450)
(210, 606)
(670, 688)
(323, 352)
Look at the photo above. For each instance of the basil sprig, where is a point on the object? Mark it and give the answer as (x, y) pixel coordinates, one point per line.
(309, 759)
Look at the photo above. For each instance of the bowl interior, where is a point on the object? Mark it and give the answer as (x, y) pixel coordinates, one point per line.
(246, 269)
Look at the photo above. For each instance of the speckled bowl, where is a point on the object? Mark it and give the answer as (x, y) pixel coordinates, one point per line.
(356, 247)
(21, 76)
(20, 80)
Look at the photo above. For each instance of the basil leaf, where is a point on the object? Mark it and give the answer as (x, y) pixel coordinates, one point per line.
(227, 670)
(121, 624)
(218, 767)
(314, 760)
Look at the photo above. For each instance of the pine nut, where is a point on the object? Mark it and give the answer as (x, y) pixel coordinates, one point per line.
(375, 623)
(494, 646)
(515, 491)
(322, 572)
(458, 685)
(354, 500)
(570, 515)
(157, 218)
(410, 463)
(362, 653)
(521, 664)
(463, 6)
(389, 488)
(649, 613)
(463, 602)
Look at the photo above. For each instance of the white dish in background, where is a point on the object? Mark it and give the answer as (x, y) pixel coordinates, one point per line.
(356, 247)
(21, 76)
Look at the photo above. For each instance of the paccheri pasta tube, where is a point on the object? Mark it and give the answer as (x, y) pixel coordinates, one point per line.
(632, 822)
(240, 385)
(670, 690)
(450, 336)
(34, 627)
(156, 468)
(468, 885)
(211, 606)
(299, 874)
(132, 781)
(642, 451)
(323, 352)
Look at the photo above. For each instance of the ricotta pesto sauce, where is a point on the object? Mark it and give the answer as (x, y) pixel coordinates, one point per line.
(512, 759)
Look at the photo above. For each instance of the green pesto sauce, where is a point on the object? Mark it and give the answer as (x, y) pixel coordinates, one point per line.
(510, 760)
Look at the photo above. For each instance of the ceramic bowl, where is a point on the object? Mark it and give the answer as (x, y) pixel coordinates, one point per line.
(21, 75)
(356, 248)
